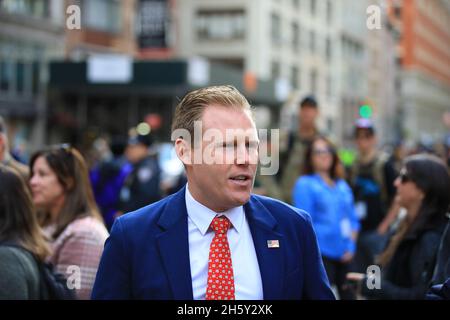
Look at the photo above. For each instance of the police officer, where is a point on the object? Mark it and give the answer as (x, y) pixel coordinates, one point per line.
(142, 186)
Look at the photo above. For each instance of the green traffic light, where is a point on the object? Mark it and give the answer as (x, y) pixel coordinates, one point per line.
(365, 111)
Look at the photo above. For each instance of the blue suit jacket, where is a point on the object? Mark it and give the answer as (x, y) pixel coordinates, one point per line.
(147, 253)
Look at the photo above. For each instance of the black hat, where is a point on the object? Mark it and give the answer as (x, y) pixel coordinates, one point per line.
(309, 101)
(146, 139)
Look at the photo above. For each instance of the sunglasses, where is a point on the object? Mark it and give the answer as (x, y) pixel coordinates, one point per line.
(404, 177)
(64, 147)
(318, 151)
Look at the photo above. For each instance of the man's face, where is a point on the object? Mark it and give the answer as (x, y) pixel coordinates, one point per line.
(227, 182)
(308, 115)
(365, 140)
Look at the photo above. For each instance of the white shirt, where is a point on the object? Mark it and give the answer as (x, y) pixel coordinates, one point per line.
(247, 277)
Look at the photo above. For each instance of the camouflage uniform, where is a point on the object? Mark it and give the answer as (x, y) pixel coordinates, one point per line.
(294, 164)
(22, 169)
(269, 185)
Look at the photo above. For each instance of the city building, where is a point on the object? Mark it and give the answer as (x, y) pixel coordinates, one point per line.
(31, 34)
(424, 56)
(107, 27)
(128, 70)
(291, 42)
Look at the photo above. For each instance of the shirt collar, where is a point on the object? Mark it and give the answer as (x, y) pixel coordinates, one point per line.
(202, 216)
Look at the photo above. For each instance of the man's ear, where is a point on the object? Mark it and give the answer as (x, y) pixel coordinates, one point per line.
(183, 150)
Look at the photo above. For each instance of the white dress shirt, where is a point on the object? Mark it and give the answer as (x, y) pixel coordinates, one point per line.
(247, 277)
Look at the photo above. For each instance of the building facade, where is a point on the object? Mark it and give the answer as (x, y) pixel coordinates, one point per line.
(291, 42)
(115, 67)
(107, 27)
(31, 34)
(424, 54)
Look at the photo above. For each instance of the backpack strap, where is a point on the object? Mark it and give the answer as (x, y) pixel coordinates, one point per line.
(378, 173)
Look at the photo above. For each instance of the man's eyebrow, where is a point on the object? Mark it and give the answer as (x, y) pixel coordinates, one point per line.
(234, 141)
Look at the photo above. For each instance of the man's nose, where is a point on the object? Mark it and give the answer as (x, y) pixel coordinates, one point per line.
(242, 155)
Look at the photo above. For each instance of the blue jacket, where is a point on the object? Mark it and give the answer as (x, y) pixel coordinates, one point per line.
(332, 212)
(147, 253)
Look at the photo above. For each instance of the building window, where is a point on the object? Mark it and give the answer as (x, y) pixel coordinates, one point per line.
(276, 70)
(312, 41)
(329, 87)
(221, 25)
(20, 77)
(329, 11)
(152, 23)
(276, 28)
(294, 77)
(295, 36)
(109, 20)
(330, 125)
(352, 48)
(313, 81)
(313, 7)
(328, 49)
(6, 74)
(397, 12)
(35, 77)
(35, 8)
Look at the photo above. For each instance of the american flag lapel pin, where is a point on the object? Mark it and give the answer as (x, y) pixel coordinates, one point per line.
(273, 244)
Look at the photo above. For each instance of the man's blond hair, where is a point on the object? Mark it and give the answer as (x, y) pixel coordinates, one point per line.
(192, 106)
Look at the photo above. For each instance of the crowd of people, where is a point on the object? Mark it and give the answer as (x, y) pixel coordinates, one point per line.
(385, 210)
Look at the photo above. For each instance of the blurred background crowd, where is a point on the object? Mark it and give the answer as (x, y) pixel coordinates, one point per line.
(363, 113)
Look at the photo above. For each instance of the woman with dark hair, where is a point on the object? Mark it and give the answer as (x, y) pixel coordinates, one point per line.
(21, 239)
(67, 211)
(423, 189)
(325, 195)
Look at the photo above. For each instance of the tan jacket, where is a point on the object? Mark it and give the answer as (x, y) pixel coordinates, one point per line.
(22, 169)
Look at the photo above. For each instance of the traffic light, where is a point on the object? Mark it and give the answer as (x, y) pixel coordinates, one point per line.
(365, 111)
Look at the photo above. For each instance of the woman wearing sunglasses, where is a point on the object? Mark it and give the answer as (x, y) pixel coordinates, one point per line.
(325, 195)
(67, 211)
(407, 263)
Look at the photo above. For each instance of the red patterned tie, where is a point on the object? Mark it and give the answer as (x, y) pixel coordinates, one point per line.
(220, 269)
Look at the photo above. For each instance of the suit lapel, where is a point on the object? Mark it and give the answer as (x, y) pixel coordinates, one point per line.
(173, 246)
(271, 260)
